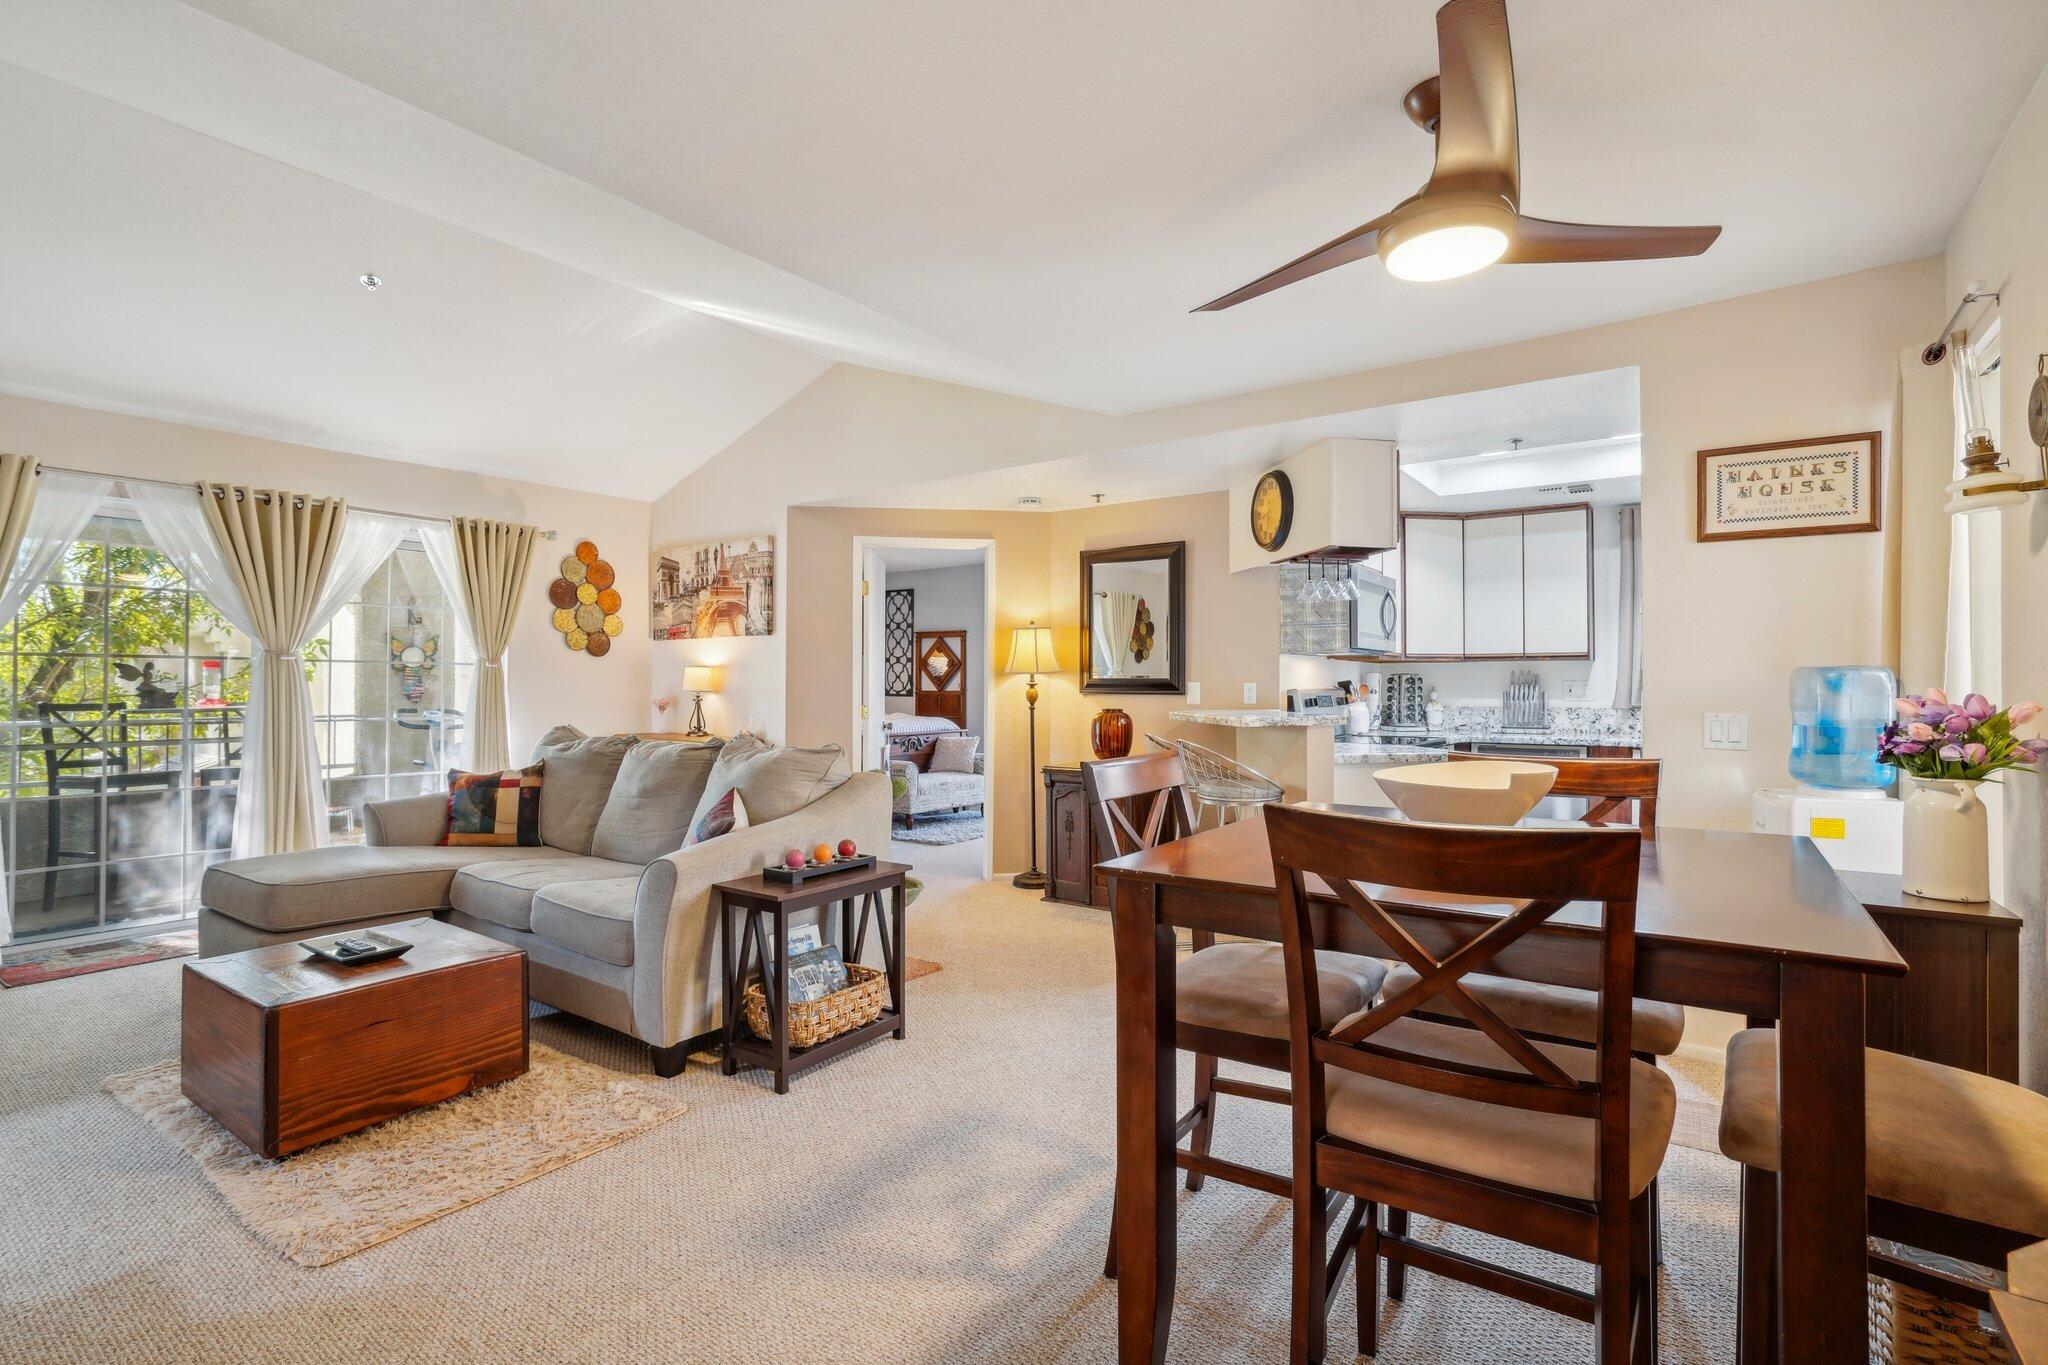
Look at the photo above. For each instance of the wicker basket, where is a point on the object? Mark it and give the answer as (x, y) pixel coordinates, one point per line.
(1911, 1327)
(813, 1021)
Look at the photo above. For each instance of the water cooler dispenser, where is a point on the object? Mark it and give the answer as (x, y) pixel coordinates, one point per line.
(1844, 801)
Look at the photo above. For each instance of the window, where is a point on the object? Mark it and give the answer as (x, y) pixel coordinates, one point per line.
(386, 673)
(124, 695)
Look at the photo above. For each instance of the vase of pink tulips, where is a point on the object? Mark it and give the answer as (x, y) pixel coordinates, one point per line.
(1947, 748)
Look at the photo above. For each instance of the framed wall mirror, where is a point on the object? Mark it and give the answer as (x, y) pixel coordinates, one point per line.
(1134, 619)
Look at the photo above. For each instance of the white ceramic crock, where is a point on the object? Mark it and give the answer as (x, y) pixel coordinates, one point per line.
(1948, 841)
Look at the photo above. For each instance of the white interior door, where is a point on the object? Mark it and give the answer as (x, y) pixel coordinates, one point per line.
(873, 650)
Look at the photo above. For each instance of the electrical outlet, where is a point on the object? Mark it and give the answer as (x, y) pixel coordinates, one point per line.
(1725, 731)
(1251, 694)
(1194, 694)
(1574, 689)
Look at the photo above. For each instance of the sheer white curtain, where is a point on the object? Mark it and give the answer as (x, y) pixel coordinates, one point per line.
(176, 524)
(1116, 615)
(59, 507)
(1959, 645)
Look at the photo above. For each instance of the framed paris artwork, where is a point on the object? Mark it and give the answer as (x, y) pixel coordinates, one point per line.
(719, 587)
(1830, 485)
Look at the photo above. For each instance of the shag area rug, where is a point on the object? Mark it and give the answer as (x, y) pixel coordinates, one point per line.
(328, 1202)
(941, 830)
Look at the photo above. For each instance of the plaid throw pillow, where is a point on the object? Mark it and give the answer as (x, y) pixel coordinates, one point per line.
(501, 809)
(727, 814)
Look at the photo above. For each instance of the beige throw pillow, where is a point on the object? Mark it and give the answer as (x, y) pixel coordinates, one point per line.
(954, 753)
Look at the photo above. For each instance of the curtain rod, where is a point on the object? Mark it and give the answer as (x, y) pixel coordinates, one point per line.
(194, 484)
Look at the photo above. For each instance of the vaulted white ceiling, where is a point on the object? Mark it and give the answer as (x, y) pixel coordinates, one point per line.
(1027, 198)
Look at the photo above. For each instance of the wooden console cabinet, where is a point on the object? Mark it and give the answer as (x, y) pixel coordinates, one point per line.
(1959, 1001)
(1070, 841)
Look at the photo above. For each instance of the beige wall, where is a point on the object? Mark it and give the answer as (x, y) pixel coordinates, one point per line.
(1725, 623)
(818, 585)
(548, 684)
(2000, 241)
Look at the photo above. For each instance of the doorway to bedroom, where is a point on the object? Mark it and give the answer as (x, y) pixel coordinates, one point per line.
(925, 678)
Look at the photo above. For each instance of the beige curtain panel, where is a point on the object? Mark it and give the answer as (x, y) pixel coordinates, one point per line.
(492, 558)
(17, 499)
(279, 549)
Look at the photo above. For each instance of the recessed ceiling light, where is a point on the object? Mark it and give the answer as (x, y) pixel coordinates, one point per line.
(370, 282)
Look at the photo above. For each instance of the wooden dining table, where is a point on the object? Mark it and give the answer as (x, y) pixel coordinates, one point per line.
(1757, 925)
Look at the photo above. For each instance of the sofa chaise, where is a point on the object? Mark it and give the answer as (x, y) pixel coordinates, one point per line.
(919, 791)
(614, 913)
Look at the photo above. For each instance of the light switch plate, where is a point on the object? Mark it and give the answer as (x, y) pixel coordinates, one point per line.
(1574, 689)
(1251, 694)
(1194, 694)
(1724, 730)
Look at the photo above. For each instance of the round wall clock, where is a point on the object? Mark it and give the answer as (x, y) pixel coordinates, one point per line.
(1272, 510)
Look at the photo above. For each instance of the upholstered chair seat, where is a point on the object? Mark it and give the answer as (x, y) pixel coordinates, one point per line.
(1242, 987)
(1553, 1011)
(1520, 1147)
(1937, 1138)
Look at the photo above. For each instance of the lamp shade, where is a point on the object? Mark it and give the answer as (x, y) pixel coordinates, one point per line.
(1031, 650)
(700, 679)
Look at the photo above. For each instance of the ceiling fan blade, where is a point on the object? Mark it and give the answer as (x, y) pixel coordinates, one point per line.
(1354, 245)
(1539, 241)
(1477, 144)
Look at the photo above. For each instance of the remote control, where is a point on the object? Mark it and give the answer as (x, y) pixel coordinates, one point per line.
(353, 947)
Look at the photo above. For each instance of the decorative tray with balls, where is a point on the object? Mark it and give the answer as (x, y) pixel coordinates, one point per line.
(796, 867)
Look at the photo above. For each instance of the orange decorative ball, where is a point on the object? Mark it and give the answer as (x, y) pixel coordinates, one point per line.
(822, 853)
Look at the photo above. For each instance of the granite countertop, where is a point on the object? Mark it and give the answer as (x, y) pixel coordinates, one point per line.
(1379, 752)
(1248, 718)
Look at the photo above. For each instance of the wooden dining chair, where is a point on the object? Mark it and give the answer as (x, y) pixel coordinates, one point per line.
(1545, 1144)
(1562, 1013)
(1231, 998)
(1956, 1164)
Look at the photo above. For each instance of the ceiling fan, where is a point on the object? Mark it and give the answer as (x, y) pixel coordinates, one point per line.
(1468, 216)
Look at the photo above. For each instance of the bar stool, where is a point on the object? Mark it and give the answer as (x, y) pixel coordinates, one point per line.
(1232, 788)
(1231, 998)
(1956, 1164)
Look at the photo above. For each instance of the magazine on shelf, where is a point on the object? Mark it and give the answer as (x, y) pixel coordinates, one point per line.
(817, 973)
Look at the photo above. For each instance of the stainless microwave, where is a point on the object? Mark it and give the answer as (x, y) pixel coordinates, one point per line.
(1375, 613)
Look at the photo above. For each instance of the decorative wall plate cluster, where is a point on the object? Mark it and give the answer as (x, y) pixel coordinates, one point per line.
(585, 601)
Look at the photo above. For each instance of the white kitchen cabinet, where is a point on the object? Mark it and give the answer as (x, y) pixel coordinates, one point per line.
(1433, 586)
(1498, 585)
(1493, 587)
(1557, 585)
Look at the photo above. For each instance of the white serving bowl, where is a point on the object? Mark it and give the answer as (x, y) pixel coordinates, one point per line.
(1482, 792)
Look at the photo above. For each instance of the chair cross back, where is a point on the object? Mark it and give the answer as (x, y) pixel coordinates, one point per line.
(1534, 872)
(1612, 783)
(1114, 784)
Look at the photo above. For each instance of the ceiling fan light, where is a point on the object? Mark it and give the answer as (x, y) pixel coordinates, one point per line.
(1446, 253)
(1443, 236)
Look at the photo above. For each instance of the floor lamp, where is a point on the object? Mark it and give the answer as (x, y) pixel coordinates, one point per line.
(1031, 652)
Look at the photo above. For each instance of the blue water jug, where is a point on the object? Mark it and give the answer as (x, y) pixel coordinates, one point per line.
(1838, 713)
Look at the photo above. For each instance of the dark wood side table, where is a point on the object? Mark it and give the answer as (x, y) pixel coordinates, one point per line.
(1960, 1002)
(754, 911)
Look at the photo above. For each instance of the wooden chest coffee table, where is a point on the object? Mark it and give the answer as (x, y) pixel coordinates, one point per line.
(287, 1050)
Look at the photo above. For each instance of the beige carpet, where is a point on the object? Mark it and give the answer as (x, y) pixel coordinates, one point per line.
(938, 1199)
(356, 1192)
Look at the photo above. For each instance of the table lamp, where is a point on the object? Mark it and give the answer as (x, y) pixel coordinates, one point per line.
(699, 680)
(1031, 652)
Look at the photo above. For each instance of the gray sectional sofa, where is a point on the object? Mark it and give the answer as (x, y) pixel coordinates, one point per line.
(616, 917)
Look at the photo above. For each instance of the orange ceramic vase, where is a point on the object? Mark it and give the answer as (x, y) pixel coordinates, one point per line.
(1111, 733)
